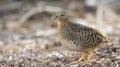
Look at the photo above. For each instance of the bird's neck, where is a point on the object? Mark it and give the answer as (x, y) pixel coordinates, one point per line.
(61, 24)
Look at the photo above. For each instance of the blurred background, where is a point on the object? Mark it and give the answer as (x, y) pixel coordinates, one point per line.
(28, 33)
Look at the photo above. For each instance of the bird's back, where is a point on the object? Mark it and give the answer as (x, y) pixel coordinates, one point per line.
(79, 36)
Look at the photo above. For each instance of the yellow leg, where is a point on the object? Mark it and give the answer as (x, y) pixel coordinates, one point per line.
(89, 56)
(82, 57)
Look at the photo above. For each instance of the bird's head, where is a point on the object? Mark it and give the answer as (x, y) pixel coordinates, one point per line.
(62, 15)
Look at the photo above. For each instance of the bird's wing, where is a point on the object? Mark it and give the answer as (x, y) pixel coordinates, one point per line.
(85, 33)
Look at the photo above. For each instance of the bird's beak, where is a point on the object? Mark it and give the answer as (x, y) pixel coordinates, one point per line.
(55, 17)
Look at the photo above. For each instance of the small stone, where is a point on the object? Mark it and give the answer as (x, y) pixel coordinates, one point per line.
(57, 54)
(76, 65)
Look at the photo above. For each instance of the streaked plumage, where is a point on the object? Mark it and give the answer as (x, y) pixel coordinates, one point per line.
(78, 37)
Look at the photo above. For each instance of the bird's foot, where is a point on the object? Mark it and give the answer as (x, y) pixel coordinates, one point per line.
(86, 61)
(76, 62)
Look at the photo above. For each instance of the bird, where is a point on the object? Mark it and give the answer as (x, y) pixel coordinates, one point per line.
(78, 37)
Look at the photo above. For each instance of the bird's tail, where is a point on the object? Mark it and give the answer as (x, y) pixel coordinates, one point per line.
(106, 40)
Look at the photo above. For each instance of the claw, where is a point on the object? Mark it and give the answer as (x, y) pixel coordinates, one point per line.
(81, 58)
(76, 62)
(86, 61)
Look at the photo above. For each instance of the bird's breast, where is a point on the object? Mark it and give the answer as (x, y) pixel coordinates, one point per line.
(67, 38)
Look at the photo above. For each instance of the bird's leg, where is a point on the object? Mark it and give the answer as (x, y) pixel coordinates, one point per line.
(82, 57)
(89, 56)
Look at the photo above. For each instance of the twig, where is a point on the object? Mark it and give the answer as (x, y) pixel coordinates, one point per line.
(100, 15)
(39, 9)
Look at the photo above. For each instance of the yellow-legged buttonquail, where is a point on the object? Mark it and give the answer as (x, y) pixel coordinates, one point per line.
(77, 37)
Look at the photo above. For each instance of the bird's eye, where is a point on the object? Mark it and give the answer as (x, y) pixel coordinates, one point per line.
(62, 15)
